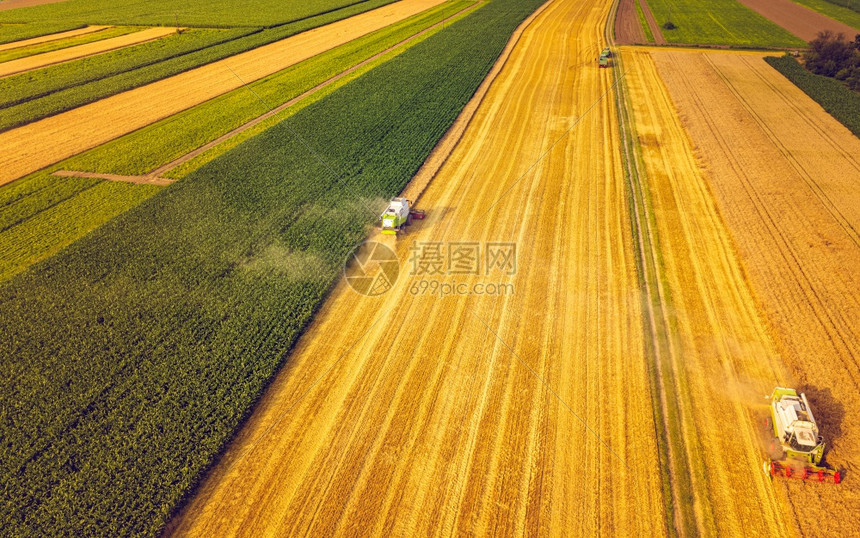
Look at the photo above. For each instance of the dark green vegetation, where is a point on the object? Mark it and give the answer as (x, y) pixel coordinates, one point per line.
(18, 31)
(40, 214)
(836, 10)
(34, 95)
(130, 358)
(849, 4)
(842, 103)
(719, 22)
(176, 12)
(832, 56)
(49, 46)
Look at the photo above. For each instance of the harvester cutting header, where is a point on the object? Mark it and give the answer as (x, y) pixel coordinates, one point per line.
(797, 449)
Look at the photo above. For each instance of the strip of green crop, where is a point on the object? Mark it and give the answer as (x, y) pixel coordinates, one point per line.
(157, 144)
(643, 22)
(111, 73)
(49, 46)
(201, 13)
(131, 357)
(840, 102)
(837, 11)
(10, 32)
(720, 22)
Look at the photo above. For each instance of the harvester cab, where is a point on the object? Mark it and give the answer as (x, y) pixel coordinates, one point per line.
(398, 215)
(796, 449)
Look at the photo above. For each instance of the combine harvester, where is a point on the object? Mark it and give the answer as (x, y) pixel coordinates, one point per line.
(603, 61)
(399, 215)
(797, 449)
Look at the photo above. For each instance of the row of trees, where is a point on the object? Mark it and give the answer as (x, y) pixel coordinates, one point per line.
(833, 56)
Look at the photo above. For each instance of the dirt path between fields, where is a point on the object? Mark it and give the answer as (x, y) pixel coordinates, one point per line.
(34, 146)
(652, 23)
(799, 20)
(52, 37)
(628, 30)
(14, 4)
(81, 51)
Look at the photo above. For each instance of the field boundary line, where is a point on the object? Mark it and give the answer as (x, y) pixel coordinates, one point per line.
(449, 141)
(140, 180)
(660, 346)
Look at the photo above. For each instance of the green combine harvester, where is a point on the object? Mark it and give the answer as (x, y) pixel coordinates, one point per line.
(796, 450)
(398, 215)
(603, 61)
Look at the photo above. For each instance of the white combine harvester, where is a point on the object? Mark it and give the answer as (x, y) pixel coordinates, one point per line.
(796, 450)
(398, 215)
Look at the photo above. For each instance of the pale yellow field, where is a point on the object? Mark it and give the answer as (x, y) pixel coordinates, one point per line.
(784, 177)
(36, 145)
(415, 415)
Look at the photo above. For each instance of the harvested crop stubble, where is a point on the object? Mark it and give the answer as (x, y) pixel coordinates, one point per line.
(39, 144)
(51, 37)
(89, 49)
(784, 176)
(417, 417)
(722, 358)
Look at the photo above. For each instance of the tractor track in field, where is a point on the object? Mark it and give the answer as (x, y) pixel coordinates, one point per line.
(788, 252)
(648, 268)
(653, 299)
(804, 174)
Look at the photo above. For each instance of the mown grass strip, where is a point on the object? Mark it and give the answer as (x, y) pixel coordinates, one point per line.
(719, 22)
(144, 150)
(833, 96)
(50, 46)
(133, 355)
(836, 11)
(46, 92)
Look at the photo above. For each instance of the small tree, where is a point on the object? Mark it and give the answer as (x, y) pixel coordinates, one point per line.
(830, 54)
